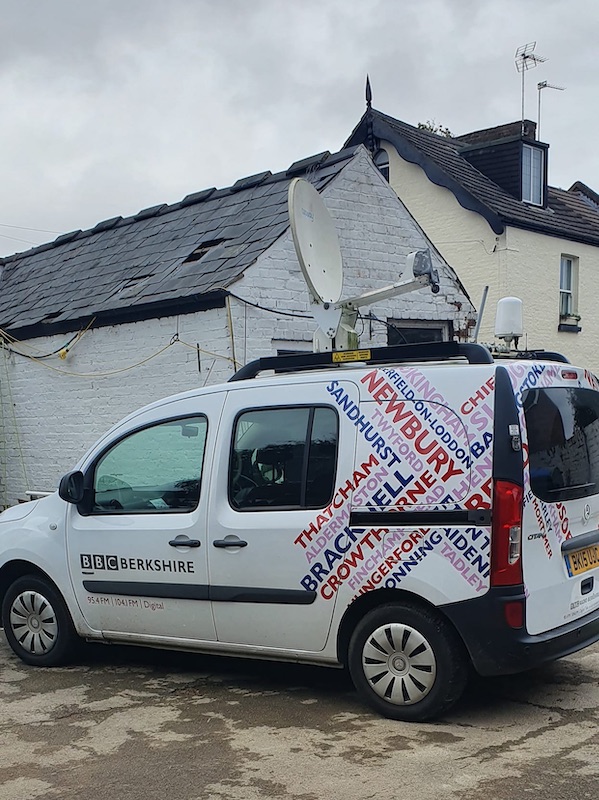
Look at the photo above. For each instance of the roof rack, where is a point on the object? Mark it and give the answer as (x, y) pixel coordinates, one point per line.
(428, 351)
(534, 355)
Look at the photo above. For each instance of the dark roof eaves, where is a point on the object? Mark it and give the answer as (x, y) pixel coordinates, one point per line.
(435, 174)
(133, 313)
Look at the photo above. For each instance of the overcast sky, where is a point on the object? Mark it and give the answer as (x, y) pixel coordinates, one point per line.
(110, 106)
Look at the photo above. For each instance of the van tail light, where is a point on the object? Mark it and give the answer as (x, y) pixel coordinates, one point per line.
(506, 542)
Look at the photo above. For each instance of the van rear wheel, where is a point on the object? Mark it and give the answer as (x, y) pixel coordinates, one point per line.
(37, 623)
(407, 663)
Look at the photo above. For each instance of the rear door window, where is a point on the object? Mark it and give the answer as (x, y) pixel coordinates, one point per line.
(563, 441)
(283, 458)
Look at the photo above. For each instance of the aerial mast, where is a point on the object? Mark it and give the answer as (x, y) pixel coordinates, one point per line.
(540, 86)
(525, 59)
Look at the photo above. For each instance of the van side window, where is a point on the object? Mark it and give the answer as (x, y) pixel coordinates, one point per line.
(157, 469)
(563, 441)
(283, 458)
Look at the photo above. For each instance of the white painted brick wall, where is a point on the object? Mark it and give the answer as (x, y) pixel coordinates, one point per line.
(57, 416)
(376, 233)
(52, 417)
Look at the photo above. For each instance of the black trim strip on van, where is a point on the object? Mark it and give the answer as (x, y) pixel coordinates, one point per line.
(183, 591)
(579, 542)
(249, 594)
(222, 594)
(441, 518)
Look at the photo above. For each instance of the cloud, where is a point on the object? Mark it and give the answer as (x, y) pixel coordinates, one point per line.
(113, 106)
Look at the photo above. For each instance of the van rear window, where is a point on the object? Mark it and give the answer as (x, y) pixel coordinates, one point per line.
(563, 442)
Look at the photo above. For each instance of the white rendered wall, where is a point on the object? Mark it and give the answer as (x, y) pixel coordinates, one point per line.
(518, 262)
(533, 266)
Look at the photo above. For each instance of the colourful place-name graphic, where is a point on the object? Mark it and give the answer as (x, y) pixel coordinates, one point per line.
(371, 558)
(413, 453)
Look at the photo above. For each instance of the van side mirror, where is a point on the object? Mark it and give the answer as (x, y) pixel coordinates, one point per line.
(71, 488)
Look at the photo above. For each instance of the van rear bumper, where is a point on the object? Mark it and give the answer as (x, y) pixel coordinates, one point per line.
(497, 649)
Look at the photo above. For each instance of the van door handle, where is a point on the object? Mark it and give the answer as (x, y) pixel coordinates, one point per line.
(229, 543)
(185, 543)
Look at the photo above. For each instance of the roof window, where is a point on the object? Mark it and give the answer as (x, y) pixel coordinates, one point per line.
(533, 172)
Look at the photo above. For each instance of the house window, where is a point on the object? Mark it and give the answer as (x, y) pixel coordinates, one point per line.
(291, 347)
(568, 286)
(532, 174)
(381, 161)
(413, 332)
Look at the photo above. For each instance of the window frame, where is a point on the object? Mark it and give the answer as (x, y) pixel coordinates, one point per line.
(551, 494)
(87, 508)
(444, 326)
(381, 162)
(312, 408)
(570, 292)
(531, 182)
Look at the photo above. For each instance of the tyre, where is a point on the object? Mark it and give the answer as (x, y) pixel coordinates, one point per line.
(407, 662)
(37, 623)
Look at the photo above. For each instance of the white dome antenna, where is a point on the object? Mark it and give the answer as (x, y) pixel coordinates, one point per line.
(508, 320)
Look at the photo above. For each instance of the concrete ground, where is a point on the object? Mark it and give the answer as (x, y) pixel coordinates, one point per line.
(141, 724)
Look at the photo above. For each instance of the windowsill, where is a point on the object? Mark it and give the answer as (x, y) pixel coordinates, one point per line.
(569, 325)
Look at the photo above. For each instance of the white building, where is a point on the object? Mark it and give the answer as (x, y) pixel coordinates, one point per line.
(484, 201)
(102, 321)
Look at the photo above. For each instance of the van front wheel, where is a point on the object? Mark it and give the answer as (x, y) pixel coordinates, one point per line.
(407, 662)
(37, 623)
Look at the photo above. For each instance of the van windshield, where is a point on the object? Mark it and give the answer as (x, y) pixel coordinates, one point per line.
(563, 442)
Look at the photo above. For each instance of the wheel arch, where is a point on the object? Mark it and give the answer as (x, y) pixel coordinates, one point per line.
(374, 599)
(12, 570)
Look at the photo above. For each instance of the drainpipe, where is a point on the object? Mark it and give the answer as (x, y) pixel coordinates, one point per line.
(231, 333)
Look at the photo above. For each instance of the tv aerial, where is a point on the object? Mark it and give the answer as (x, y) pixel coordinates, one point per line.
(540, 86)
(525, 58)
(319, 255)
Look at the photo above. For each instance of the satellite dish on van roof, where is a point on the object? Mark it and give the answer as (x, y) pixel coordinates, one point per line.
(319, 256)
(316, 242)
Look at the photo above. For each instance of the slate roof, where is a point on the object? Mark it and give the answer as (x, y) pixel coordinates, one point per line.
(165, 259)
(568, 214)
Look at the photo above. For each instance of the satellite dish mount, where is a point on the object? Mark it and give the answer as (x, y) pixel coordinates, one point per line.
(317, 247)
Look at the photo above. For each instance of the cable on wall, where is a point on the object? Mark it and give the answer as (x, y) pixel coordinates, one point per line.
(14, 345)
(61, 351)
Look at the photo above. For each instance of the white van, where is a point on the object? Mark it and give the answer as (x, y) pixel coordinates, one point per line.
(406, 512)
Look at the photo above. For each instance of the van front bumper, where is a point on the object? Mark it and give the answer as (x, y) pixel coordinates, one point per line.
(495, 648)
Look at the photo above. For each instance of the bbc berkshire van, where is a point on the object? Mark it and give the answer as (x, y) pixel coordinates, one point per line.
(404, 512)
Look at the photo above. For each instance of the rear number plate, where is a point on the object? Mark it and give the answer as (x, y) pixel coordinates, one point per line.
(582, 560)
